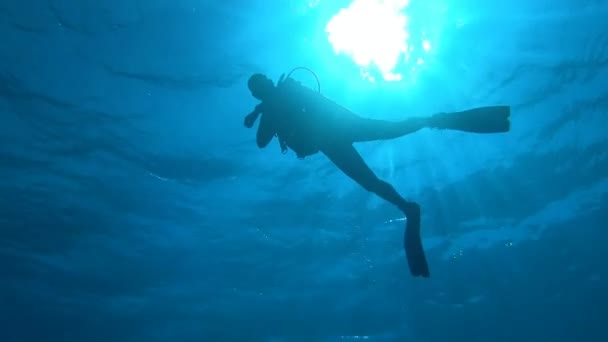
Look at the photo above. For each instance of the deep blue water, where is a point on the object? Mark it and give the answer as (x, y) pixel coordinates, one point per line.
(134, 205)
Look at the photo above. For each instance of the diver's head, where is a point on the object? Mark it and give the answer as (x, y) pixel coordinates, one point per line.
(260, 86)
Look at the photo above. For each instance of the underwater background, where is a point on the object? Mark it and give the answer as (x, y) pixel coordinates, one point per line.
(134, 205)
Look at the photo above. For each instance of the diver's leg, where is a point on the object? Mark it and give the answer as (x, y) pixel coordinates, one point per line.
(360, 129)
(349, 161)
(489, 119)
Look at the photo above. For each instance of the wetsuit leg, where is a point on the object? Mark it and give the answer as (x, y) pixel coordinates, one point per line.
(349, 161)
(360, 129)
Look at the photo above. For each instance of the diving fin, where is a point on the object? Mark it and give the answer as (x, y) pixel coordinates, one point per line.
(412, 242)
(492, 119)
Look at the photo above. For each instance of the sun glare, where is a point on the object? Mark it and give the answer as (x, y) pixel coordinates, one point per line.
(374, 33)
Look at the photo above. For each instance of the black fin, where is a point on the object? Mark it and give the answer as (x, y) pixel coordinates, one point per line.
(414, 251)
(492, 119)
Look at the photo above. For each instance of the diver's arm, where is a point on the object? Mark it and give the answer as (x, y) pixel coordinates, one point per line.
(265, 133)
(251, 118)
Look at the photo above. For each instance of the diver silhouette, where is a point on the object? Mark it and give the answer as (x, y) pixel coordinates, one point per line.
(307, 122)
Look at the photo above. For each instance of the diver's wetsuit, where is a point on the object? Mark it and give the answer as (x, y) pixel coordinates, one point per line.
(333, 132)
(337, 144)
(309, 123)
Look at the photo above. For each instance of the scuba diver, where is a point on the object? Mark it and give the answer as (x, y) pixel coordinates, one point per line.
(306, 122)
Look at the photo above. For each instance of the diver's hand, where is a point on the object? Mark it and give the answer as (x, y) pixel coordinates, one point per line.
(250, 120)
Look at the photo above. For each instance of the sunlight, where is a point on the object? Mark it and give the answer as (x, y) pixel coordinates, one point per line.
(374, 33)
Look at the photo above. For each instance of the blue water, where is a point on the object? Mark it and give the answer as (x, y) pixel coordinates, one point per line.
(134, 205)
